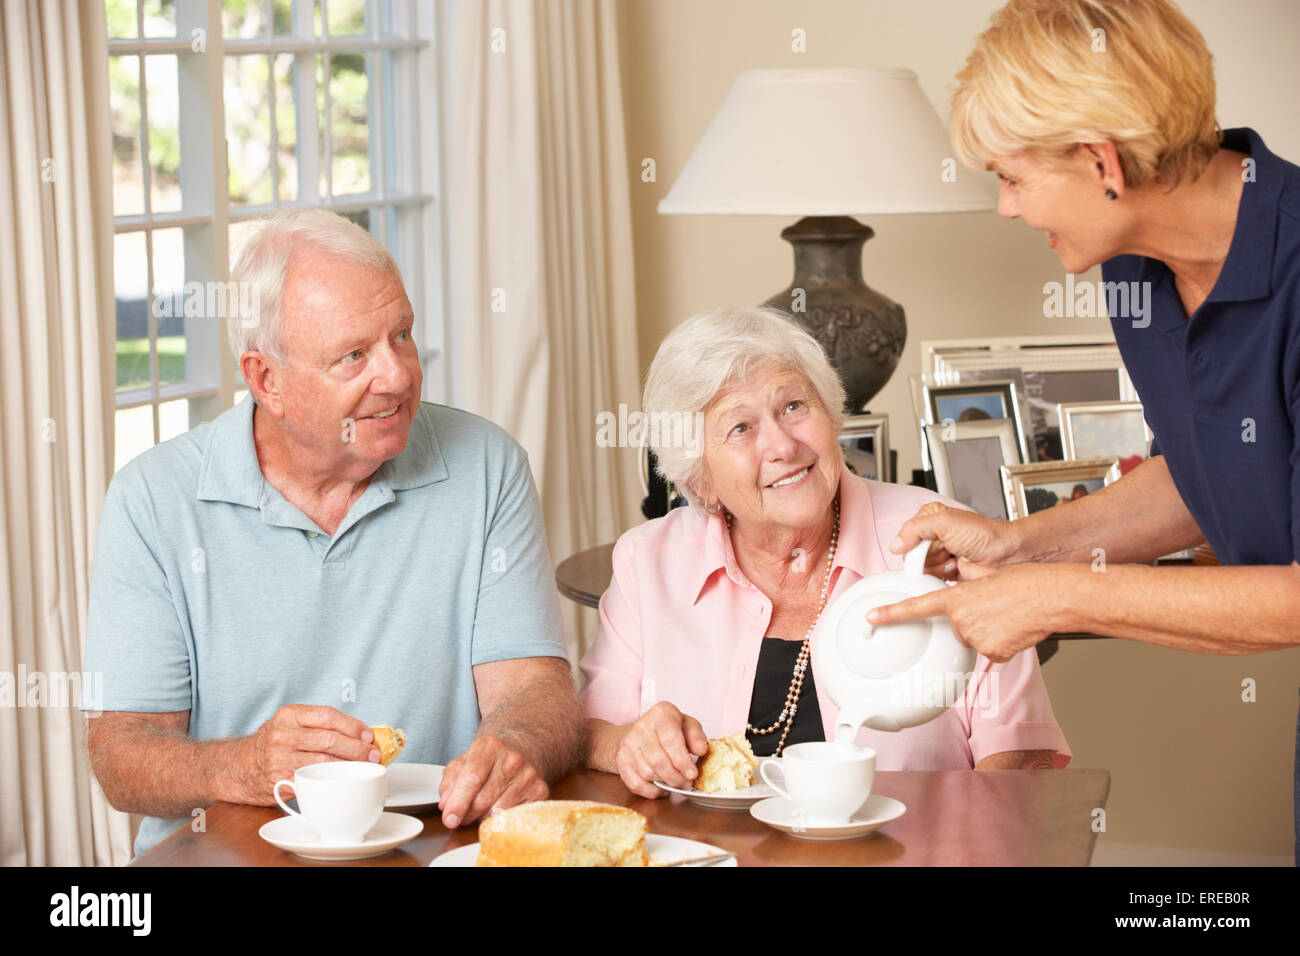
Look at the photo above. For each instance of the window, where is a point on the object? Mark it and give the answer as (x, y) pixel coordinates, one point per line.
(225, 111)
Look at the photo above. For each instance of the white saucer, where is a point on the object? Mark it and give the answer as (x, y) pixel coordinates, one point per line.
(730, 800)
(779, 812)
(412, 785)
(290, 833)
(660, 849)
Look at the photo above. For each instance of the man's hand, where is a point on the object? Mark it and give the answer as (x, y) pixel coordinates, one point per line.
(298, 735)
(489, 776)
(999, 614)
(658, 746)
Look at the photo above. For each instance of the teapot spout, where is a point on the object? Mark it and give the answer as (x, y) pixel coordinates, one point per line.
(851, 719)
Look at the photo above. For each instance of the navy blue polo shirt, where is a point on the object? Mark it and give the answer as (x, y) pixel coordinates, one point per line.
(1221, 390)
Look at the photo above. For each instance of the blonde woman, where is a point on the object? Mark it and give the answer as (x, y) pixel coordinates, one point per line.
(1099, 119)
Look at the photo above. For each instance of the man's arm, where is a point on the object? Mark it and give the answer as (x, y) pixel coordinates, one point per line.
(147, 763)
(531, 734)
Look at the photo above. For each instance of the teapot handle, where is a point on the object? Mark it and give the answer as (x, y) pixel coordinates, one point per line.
(914, 563)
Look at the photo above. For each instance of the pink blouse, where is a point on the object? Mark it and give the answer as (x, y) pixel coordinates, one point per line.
(681, 623)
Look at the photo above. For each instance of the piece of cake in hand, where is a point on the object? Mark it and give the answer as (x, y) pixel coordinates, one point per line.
(390, 741)
(563, 833)
(729, 765)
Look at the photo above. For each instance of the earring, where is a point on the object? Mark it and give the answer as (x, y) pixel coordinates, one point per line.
(713, 508)
(1111, 194)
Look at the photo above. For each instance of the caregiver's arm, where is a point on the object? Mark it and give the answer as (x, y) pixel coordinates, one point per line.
(1141, 517)
(1138, 518)
(1216, 610)
(1219, 610)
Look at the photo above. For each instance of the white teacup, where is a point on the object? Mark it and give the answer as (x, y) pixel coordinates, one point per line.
(341, 799)
(826, 782)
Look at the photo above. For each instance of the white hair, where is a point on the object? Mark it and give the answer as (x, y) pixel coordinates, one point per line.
(263, 263)
(717, 350)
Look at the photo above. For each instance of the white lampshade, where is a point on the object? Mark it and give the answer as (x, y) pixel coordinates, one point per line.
(826, 142)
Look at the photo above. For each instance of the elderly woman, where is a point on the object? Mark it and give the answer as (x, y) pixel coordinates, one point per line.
(706, 626)
(1099, 120)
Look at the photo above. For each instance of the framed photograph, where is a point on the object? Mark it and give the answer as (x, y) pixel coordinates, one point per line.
(1037, 486)
(968, 457)
(980, 401)
(865, 440)
(1105, 430)
(1048, 371)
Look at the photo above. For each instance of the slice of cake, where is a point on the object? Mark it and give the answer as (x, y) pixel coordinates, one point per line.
(390, 741)
(563, 833)
(729, 765)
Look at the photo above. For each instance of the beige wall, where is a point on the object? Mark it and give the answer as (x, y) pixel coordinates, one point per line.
(1192, 766)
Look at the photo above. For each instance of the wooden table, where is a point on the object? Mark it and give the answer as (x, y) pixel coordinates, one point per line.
(953, 818)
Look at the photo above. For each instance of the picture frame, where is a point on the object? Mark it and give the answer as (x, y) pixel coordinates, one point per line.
(865, 442)
(1059, 482)
(968, 457)
(1048, 371)
(978, 400)
(1104, 430)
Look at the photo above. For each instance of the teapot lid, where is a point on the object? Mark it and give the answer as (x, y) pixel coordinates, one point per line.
(896, 675)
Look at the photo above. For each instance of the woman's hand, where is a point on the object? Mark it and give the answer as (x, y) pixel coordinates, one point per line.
(966, 545)
(658, 746)
(999, 615)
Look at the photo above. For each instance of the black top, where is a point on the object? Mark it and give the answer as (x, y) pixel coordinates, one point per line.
(771, 683)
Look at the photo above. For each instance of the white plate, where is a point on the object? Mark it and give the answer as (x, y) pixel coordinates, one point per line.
(731, 800)
(779, 812)
(412, 785)
(661, 849)
(290, 833)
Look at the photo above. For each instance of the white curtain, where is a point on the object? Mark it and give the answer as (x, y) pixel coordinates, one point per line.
(56, 375)
(541, 320)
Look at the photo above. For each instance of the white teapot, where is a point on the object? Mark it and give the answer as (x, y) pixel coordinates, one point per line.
(896, 675)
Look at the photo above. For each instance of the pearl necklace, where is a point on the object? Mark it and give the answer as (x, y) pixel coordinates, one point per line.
(805, 652)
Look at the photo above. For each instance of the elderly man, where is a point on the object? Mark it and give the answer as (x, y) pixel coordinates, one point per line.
(328, 555)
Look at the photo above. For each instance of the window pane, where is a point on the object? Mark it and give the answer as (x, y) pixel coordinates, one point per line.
(132, 433)
(120, 15)
(173, 419)
(347, 17)
(286, 125)
(130, 280)
(349, 86)
(124, 97)
(282, 11)
(164, 133)
(248, 129)
(159, 18)
(170, 304)
(243, 19)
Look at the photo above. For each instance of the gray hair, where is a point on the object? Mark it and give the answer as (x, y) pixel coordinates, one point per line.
(263, 263)
(714, 351)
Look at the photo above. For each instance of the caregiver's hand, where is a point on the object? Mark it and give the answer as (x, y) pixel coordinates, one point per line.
(1000, 614)
(658, 746)
(966, 545)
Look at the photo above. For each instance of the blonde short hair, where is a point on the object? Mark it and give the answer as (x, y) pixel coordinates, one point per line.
(714, 351)
(1050, 74)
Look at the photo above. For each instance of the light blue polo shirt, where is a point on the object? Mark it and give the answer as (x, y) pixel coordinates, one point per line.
(211, 593)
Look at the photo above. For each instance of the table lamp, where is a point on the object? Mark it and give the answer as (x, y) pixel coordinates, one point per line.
(826, 145)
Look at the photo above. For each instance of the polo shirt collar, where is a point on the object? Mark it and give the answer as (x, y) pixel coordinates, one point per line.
(1247, 270)
(857, 549)
(230, 471)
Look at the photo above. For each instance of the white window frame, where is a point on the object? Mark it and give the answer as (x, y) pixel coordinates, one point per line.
(410, 108)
